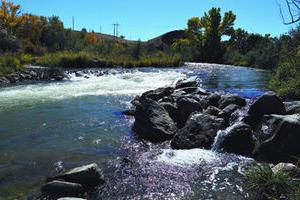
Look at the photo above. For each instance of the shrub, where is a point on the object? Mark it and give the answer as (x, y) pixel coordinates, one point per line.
(9, 64)
(262, 181)
(286, 79)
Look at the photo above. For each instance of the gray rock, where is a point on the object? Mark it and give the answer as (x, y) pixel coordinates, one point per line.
(211, 110)
(210, 100)
(70, 198)
(4, 80)
(228, 99)
(278, 138)
(292, 107)
(191, 82)
(62, 188)
(268, 103)
(153, 122)
(238, 140)
(88, 176)
(199, 132)
(227, 111)
(172, 110)
(289, 168)
(186, 106)
(158, 93)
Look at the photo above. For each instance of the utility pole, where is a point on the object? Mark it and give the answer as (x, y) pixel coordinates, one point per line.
(73, 23)
(117, 25)
(100, 29)
(114, 29)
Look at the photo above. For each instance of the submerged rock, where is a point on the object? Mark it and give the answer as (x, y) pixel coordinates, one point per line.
(238, 140)
(199, 132)
(153, 122)
(228, 99)
(278, 138)
(88, 176)
(62, 188)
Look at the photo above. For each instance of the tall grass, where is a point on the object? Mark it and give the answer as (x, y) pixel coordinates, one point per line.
(12, 63)
(68, 59)
(270, 186)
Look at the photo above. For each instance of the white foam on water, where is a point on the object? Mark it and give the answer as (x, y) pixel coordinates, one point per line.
(188, 157)
(127, 83)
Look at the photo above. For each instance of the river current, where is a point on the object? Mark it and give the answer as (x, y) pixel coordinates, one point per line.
(48, 127)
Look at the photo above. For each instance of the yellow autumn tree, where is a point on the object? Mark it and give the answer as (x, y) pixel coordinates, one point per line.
(10, 15)
(90, 38)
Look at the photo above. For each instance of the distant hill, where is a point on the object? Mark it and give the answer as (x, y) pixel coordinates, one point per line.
(161, 42)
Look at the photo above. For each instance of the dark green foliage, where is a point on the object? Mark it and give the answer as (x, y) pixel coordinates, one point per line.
(269, 186)
(286, 79)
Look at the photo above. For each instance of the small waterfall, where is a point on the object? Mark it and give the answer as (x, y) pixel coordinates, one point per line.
(221, 135)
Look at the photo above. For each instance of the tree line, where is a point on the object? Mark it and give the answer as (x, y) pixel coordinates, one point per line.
(210, 38)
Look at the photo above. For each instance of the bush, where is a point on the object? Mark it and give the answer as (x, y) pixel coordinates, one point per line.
(86, 59)
(9, 64)
(262, 181)
(286, 79)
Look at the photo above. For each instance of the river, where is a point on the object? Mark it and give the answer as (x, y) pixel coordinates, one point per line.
(48, 127)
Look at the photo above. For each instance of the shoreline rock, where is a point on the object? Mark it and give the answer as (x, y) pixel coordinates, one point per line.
(33, 74)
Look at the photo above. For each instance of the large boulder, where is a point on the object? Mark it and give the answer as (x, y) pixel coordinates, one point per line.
(292, 107)
(237, 139)
(199, 132)
(278, 138)
(269, 103)
(172, 110)
(186, 106)
(158, 94)
(210, 100)
(227, 112)
(191, 82)
(228, 99)
(62, 189)
(211, 110)
(153, 122)
(88, 176)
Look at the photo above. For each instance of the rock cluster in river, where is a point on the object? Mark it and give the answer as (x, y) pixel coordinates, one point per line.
(33, 74)
(74, 183)
(191, 117)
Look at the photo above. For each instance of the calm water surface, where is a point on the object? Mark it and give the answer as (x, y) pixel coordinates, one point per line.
(48, 127)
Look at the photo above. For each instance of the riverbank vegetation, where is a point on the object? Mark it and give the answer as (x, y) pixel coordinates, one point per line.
(268, 185)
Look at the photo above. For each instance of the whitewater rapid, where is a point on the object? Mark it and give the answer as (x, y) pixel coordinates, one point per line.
(113, 83)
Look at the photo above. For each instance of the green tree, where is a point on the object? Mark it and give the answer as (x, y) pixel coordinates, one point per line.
(213, 29)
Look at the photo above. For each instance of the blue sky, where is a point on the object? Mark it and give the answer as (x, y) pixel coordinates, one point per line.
(145, 19)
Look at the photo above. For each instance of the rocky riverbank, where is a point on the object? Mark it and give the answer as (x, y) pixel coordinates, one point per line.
(33, 74)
